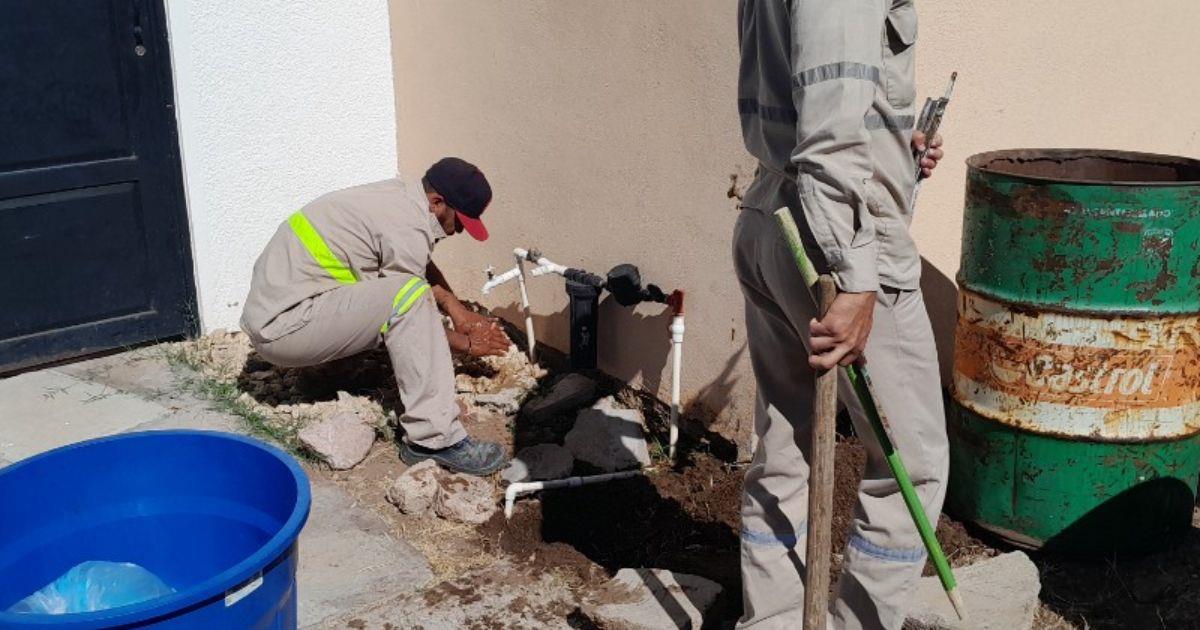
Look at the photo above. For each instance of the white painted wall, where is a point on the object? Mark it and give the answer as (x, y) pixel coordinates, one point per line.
(278, 102)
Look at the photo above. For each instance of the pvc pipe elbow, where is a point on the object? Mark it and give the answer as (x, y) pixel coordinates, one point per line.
(510, 497)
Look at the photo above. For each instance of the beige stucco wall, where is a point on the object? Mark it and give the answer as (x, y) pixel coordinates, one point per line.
(609, 130)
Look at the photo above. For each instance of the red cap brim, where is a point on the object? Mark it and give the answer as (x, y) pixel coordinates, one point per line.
(473, 226)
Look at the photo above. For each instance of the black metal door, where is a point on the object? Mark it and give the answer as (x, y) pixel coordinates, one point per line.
(94, 246)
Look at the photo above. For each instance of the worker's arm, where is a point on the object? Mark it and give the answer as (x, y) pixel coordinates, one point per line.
(837, 66)
(473, 333)
(449, 303)
(442, 294)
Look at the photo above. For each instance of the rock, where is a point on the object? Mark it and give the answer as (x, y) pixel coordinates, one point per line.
(568, 394)
(506, 401)
(543, 461)
(651, 599)
(609, 437)
(415, 490)
(342, 440)
(464, 384)
(999, 593)
(465, 499)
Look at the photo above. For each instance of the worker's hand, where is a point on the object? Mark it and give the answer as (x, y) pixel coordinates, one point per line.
(840, 337)
(465, 319)
(931, 159)
(487, 340)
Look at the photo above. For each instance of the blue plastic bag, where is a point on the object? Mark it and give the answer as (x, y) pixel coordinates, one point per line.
(92, 586)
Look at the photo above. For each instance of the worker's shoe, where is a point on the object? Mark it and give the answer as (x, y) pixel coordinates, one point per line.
(471, 457)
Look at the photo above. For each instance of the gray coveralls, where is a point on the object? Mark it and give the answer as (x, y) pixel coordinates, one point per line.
(826, 97)
(346, 273)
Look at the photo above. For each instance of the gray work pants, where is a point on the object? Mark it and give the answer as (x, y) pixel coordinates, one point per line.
(884, 556)
(347, 320)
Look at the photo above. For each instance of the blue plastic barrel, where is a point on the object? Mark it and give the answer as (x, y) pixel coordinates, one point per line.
(214, 515)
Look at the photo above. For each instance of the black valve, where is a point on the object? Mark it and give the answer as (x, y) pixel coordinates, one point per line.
(625, 284)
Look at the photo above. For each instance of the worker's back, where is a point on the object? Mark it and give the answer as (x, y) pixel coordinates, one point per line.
(343, 237)
(832, 106)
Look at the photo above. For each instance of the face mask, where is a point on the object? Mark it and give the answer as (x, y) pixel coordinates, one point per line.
(435, 226)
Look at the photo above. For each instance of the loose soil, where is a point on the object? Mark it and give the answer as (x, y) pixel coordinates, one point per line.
(684, 520)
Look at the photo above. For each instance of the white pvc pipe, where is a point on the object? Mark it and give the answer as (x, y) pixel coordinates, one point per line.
(525, 305)
(677, 329)
(500, 279)
(544, 265)
(525, 487)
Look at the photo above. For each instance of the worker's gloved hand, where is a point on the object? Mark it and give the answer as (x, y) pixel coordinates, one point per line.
(840, 337)
(487, 339)
(931, 159)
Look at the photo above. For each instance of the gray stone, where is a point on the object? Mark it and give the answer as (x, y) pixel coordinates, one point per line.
(568, 394)
(609, 437)
(506, 401)
(542, 461)
(502, 595)
(342, 440)
(999, 593)
(465, 499)
(415, 490)
(349, 559)
(651, 599)
(46, 409)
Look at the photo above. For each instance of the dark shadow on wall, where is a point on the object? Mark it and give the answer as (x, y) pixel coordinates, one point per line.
(635, 345)
(941, 300)
(712, 399)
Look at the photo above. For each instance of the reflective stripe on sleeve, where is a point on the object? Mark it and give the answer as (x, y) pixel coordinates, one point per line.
(405, 298)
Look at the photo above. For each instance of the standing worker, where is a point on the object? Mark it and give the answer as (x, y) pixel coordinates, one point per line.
(352, 270)
(825, 95)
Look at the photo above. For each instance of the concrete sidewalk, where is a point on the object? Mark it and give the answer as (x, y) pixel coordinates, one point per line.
(348, 559)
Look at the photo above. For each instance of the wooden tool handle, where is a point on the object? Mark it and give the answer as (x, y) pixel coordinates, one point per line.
(820, 484)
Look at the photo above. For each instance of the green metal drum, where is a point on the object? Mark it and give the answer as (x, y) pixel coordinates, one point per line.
(1075, 412)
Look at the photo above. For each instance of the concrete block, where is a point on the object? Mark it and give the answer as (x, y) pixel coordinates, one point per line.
(609, 437)
(652, 599)
(999, 593)
(568, 394)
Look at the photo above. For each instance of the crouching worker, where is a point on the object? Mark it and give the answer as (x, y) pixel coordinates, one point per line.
(352, 270)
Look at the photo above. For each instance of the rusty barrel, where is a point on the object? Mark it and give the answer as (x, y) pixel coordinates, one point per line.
(1075, 411)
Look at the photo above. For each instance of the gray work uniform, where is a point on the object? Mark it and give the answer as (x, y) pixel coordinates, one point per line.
(346, 273)
(825, 95)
